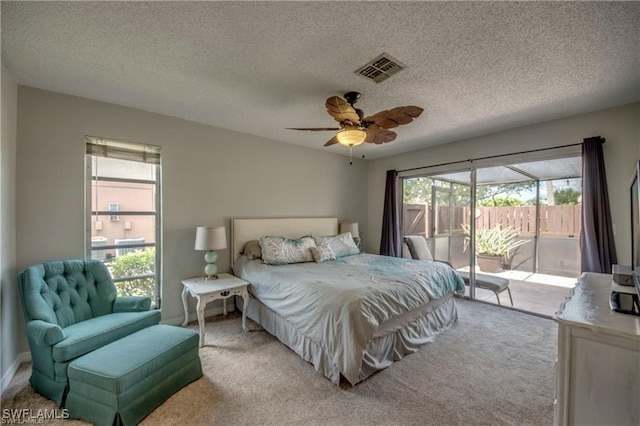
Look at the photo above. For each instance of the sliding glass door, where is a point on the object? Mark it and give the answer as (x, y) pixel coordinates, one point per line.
(438, 208)
(525, 215)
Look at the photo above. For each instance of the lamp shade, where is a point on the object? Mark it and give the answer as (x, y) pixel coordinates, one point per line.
(351, 137)
(350, 227)
(211, 238)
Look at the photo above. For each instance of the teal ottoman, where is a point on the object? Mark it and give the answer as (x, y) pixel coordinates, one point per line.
(124, 381)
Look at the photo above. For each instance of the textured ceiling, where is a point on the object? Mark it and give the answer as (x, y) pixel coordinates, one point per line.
(259, 67)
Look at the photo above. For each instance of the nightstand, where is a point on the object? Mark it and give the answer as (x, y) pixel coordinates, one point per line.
(205, 291)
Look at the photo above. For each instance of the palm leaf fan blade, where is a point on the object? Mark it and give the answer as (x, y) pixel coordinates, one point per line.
(389, 136)
(404, 115)
(341, 111)
(389, 119)
(372, 130)
(378, 136)
(332, 141)
(382, 119)
(313, 129)
(412, 111)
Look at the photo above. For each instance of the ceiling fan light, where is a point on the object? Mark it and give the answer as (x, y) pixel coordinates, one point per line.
(351, 137)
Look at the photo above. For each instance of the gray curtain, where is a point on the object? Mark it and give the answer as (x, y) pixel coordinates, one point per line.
(391, 241)
(598, 250)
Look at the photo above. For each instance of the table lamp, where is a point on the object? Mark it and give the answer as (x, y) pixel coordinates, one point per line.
(211, 238)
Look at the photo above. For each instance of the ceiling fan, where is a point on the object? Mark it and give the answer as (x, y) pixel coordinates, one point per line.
(355, 128)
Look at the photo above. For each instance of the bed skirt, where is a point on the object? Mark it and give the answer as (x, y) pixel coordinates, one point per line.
(394, 339)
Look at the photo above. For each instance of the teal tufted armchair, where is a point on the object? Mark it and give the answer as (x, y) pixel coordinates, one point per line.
(71, 309)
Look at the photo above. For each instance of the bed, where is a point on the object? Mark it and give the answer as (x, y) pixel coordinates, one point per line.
(350, 316)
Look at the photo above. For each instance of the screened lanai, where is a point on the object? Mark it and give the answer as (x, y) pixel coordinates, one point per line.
(527, 213)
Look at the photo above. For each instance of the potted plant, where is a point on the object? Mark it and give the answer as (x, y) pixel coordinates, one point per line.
(494, 246)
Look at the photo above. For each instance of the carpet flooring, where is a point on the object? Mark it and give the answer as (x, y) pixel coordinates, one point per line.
(493, 367)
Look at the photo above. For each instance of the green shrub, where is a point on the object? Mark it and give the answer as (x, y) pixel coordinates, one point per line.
(497, 241)
(134, 264)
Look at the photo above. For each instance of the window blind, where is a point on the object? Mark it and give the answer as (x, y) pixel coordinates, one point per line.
(120, 150)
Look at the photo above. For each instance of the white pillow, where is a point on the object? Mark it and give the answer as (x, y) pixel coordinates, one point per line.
(322, 254)
(252, 250)
(341, 245)
(282, 251)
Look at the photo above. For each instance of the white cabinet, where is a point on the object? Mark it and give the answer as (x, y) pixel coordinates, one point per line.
(598, 366)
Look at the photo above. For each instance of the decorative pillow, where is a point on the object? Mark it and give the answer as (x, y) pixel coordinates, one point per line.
(418, 247)
(322, 254)
(341, 245)
(252, 250)
(282, 251)
(406, 253)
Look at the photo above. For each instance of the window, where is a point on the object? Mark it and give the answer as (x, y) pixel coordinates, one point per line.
(113, 208)
(123, 211)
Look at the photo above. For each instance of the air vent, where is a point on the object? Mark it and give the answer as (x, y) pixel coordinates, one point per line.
(381, 68)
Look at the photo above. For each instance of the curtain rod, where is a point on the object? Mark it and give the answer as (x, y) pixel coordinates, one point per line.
(471, 160)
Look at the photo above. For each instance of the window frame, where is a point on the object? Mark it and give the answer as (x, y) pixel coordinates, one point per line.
(90, 213)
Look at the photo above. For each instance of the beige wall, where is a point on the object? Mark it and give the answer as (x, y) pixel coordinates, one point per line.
(12, 341)
(619, 126)
(209, 176)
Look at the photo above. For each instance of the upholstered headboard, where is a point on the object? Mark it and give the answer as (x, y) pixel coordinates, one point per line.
(247, 229)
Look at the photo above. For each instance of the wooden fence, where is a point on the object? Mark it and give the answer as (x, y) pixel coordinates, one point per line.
(555, 221)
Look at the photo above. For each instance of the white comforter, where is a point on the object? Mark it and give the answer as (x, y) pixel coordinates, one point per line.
(339, 304)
